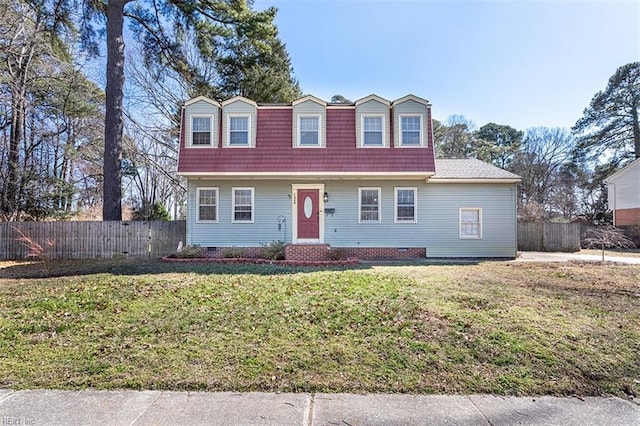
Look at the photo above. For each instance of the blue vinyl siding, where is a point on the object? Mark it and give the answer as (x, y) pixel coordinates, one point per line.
(271, 201)
(436, 229)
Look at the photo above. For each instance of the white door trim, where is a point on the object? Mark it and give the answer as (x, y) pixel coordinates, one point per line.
(294, 212)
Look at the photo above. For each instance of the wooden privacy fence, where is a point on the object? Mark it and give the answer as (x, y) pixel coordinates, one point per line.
(548, 236)
(87, 240)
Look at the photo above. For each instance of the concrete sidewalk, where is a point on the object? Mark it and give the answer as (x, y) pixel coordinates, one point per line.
(43, 407)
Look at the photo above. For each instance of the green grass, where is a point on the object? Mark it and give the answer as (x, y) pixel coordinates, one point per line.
(488, 328)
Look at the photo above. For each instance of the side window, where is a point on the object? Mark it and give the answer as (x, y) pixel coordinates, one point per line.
(411, 130)
(242, 205)
(372, 130)
(471, 223)
(207, 201)
(405, 205)
(238, 130)
(201, 131)
(308, 130)
(369, 205)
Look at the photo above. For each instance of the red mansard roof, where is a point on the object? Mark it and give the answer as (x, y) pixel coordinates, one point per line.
(274, 152)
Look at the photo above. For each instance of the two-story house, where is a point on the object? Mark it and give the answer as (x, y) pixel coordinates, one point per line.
(624, 194)
(360, 176)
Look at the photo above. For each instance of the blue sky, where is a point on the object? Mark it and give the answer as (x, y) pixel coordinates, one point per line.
(525, 64)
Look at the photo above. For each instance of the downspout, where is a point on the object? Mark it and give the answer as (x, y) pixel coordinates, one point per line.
(515, 217)
(614, 202)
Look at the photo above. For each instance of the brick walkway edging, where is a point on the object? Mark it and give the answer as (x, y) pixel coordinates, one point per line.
(249, 260)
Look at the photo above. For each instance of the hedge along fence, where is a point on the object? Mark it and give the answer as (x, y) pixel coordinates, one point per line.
(88, 240)
(546, 236)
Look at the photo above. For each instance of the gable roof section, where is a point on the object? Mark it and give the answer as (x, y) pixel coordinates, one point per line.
(240, 99)
(611, 179)
(411, 98)
(373, 97)
(309, 98)
(204, 99)
(471, 170)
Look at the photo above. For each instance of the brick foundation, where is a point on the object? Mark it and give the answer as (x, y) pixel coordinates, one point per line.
(627, 217)
(306, 252)
(319, 252)
(385, 253)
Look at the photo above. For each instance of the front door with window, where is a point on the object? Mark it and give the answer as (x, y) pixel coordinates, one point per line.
(308, 212)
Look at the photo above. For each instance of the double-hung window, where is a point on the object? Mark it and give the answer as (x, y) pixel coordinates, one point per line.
(369, 205)
(238, 130)
(242, 205)
(308, 130)
(410, 130)
(201, 131)
(207, 201)
(372, 133)
(405, 205)
(470, 223)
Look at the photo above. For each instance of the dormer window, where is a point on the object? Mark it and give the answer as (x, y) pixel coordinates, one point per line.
(309, 123)
(309, 130)
(411, 130)
(372, 130)
(239, 118)
(201, 131)
(239, 130)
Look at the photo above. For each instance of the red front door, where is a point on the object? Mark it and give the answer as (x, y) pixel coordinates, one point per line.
(308, 214)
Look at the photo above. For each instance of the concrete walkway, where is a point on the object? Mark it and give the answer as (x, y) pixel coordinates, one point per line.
(43, 407)
(537, 256)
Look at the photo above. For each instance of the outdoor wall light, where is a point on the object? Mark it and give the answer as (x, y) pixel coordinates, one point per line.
(326, 197)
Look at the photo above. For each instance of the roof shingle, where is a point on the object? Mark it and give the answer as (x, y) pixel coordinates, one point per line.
(469, 168)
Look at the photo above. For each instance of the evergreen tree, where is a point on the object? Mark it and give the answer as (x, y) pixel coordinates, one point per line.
(165, 27)
(610, 124)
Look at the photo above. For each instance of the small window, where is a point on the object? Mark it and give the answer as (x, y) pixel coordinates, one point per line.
(242, 205)
(207, 204)
(405, 205)
(372, 134)
(471, 223)
(309, 131)
(369, 205)
(238, 130)
(201, 131)
(411, 130)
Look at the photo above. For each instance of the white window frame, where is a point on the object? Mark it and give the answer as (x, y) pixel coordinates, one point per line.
(415, 204)
(478, 236)
(401, 133)
(211, 130)
(228, 143)
(382, 131)
(360, 204)
(234, 205)
(217, 204)
(299, 131)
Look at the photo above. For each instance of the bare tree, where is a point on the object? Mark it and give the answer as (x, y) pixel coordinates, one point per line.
(540, 162)
(607, 237)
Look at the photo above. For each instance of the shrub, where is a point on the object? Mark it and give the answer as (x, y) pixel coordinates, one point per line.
(190, 252)
(273, 251)
(337, 253)
(42, 252)
(234, 252)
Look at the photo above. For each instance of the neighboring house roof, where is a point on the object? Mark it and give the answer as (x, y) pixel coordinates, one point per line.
(471, 169)
(635, 163)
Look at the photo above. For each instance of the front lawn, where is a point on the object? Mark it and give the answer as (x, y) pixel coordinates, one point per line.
(493, 327)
